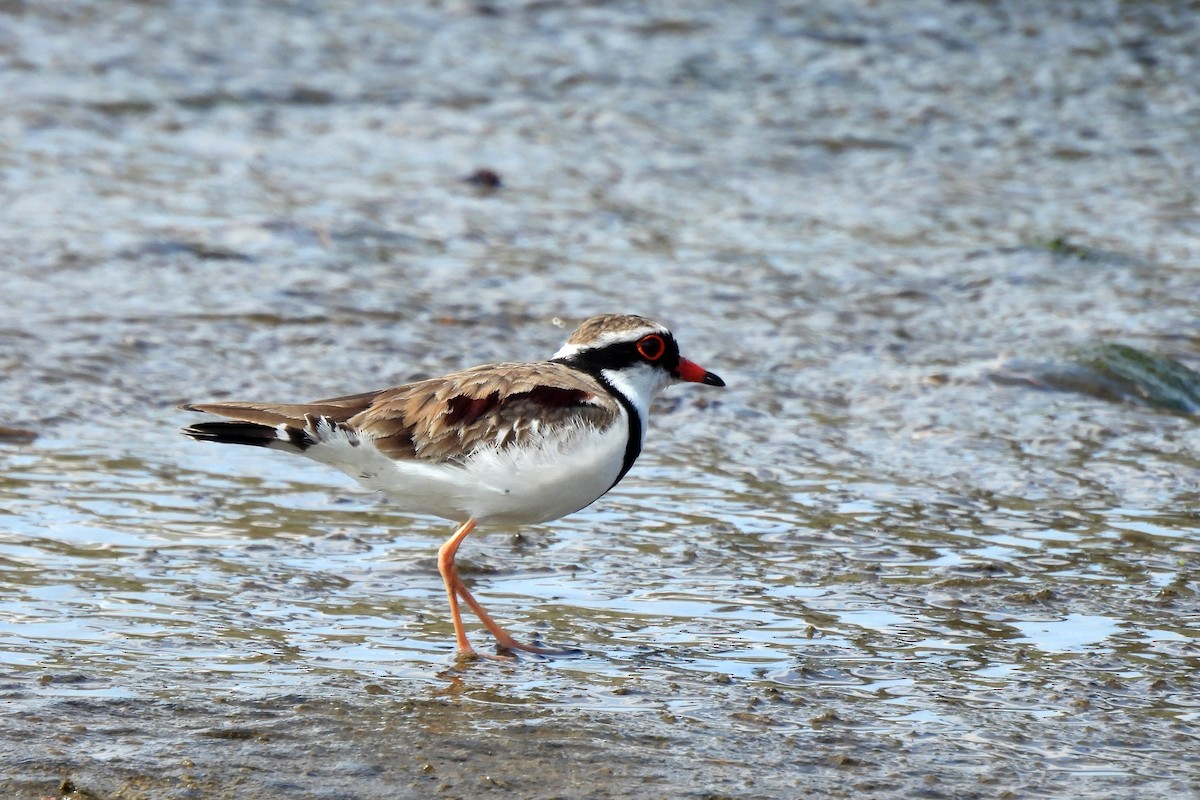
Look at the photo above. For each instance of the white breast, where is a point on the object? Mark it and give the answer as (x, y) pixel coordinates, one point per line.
(553, 477)
(547, 477)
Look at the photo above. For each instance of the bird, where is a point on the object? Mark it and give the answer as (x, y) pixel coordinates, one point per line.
(511, 443)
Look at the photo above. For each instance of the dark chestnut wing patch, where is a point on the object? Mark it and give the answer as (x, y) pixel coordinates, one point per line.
(556, 396)
(463, 410)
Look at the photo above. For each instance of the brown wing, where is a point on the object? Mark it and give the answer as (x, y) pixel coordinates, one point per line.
(503, 404)
(444, 418)
(338, 409)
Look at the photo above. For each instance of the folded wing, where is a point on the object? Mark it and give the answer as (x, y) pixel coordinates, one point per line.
(439, 419)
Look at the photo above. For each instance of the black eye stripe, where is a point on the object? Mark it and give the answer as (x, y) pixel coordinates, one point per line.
(622, 354)
(614, 356)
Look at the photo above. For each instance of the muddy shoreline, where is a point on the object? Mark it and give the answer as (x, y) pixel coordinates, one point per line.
(937, 538)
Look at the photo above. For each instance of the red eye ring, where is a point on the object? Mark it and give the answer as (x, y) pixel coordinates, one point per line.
(651, 347)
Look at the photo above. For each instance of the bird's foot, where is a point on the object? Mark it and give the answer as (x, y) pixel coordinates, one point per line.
(507, 643)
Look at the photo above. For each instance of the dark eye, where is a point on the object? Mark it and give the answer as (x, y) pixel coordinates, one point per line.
(651, 347)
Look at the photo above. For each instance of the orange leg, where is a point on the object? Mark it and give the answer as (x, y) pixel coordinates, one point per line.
(455, 589)
(450, 578)
(503, 638)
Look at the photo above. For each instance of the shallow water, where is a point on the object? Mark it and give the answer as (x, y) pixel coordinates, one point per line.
(915, 548)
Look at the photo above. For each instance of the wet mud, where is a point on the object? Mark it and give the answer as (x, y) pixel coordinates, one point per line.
(939, 536)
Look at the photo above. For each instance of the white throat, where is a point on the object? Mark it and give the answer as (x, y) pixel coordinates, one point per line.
(639, 384)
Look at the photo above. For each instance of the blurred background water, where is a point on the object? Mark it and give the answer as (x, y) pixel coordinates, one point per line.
(937, 538)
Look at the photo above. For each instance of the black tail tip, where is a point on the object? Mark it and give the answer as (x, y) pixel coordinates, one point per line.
(248, 433)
